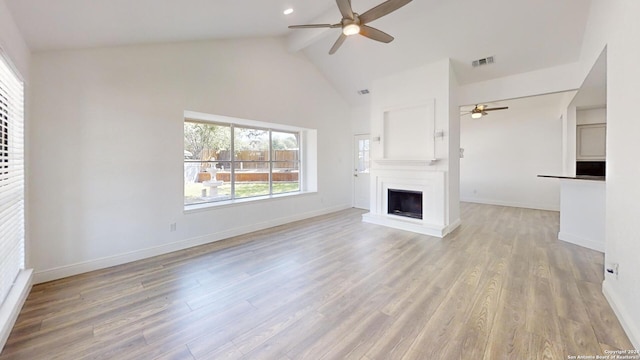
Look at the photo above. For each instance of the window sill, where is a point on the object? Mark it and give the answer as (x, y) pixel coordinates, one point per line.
(237, 202)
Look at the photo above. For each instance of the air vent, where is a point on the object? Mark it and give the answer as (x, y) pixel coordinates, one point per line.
(363, 91)
(483, 61)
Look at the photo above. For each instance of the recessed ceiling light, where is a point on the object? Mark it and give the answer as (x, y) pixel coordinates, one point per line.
(288, 11)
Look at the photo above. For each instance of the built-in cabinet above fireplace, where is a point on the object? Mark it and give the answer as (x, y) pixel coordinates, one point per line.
(406, 133)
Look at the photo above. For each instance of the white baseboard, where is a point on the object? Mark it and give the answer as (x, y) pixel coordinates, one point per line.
(549, 207)
(581, 241)
(452, 227)
(45, 275)
(631, 329)
(11, 307)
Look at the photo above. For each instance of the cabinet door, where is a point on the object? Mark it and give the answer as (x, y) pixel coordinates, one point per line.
(592, 142)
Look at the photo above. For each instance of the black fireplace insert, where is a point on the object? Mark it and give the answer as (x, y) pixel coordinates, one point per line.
(404, 203)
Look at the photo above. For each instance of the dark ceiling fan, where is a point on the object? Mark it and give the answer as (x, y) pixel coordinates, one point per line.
(481, 110)
(353, 23)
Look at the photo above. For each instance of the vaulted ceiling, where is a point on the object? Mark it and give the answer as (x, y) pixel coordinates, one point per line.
(522, 35)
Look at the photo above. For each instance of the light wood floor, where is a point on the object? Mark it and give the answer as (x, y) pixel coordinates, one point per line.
(332, 287)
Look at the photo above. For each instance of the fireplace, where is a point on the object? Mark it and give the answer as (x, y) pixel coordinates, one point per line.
(404, 203)
(409, 197)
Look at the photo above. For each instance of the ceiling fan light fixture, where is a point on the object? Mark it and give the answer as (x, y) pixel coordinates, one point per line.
(288, 11)
(351, 29)
(353, 23)
(476, 115)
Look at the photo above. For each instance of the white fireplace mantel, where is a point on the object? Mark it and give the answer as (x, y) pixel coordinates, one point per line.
(432, 185)
(408, 162)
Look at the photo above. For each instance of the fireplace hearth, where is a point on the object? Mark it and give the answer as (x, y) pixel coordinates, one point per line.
(404, 203)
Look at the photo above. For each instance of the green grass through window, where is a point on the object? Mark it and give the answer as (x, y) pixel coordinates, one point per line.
(193, 191)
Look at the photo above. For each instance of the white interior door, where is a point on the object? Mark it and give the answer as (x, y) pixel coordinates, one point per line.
(361, 172)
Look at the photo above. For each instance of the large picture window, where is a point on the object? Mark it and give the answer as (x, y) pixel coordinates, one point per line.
(232, 161)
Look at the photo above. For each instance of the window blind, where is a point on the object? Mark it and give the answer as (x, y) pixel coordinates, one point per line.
(11, 177)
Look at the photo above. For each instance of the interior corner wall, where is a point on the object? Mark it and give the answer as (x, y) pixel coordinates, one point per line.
(503, 154)
(106, 146)
(614, 24)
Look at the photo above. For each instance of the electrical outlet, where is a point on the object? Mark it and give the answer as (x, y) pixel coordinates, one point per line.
(173, 227)
(612, 269)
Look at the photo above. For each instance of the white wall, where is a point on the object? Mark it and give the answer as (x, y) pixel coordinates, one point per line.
(569, 140)
(544, 81)
(453, 136)
(361, 119)
(614, 23)
(106, 146)
(506, 150)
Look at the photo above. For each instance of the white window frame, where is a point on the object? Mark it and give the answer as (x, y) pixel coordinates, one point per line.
(307, 175)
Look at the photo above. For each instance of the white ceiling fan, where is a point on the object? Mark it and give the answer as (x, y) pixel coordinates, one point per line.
(353, 23)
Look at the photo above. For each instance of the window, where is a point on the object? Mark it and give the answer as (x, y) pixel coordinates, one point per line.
(363, 156)
(228, 161)
(11, 178)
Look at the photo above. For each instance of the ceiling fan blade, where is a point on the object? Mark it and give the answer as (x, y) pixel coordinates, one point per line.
(337, 44)
(382, 10)
(312, 26)
(345, 9)
(497, 108)
(375, 34)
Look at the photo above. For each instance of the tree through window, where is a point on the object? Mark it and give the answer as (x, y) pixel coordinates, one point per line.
(229, 161)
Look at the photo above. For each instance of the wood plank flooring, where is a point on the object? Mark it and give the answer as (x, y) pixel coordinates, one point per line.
(332, 287)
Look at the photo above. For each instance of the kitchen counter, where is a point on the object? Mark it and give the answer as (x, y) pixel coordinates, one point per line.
(577, 177)
(582, 210)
